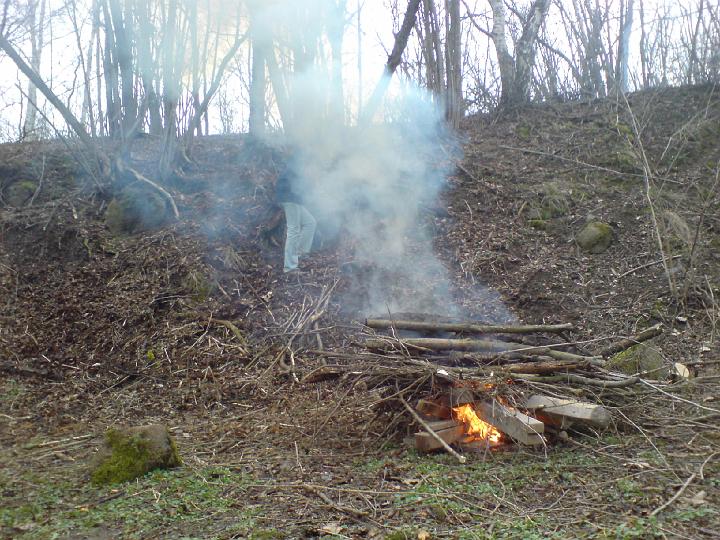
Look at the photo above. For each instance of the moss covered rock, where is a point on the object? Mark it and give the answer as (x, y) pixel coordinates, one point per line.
(136, 209)
(595, 237)
(129, 453)
(643, 359)
(19, 193)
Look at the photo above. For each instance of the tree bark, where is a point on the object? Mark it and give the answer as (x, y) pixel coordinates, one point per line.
(526, 51)
(506, 64)
(258, 82)
(623, 55)
(470, 328)
(453, 61)
(35, 24)
(393, 61)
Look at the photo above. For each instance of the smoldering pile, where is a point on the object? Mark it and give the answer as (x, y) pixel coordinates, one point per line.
(530, 383)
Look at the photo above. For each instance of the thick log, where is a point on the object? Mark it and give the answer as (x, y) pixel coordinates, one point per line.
(425, 442)
(431, 433)
(518, 426)
(469, 328)
(573, 378)
(437, 344)
(563, 413)
(439, 425)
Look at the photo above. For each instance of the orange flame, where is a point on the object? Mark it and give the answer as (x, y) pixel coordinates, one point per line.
(475, 427)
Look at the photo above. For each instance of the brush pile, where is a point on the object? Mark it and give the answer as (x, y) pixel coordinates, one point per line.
(523, 382)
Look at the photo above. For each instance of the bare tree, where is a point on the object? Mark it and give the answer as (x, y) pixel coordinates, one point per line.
(393, 61)
(516, 71)
(35, 22)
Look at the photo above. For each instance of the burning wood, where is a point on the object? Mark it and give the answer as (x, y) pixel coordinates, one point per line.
(475, 427)
(483, 422)
(432, 409)
(475, 395)
(519, 427)
(425, 442)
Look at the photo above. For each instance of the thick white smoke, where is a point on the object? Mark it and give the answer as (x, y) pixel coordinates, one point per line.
(371, 184)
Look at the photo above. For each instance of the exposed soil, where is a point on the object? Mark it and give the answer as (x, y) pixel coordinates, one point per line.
(98, 329)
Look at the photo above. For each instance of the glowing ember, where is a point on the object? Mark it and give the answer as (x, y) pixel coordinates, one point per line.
(475, 427)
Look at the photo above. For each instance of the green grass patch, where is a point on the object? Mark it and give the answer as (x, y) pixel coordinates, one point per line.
(180, 500)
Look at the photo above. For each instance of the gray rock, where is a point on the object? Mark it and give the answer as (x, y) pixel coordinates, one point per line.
(136, 209)
(595, 237)
(642, 358)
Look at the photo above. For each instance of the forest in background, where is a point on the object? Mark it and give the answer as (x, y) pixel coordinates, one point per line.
(181, 68)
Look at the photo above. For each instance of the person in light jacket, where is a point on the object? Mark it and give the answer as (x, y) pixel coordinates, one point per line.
(300, 223)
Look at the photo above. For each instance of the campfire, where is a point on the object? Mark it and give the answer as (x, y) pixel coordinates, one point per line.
(515, 385)
(476, 429)
(484, 392)
(474, 424)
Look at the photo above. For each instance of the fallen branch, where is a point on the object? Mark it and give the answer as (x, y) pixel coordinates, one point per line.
(485, 345)
(470, 328)
(626, 343)
(674, 497)
(234, 329)
(345, 509)
(140, 178)
(578, 379)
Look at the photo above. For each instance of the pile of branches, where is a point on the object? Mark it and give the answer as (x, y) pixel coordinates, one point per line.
(504, 360)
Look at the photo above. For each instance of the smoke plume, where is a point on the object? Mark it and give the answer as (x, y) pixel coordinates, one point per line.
(371, 184)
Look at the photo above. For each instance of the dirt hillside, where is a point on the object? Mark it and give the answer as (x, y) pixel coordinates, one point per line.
(188, 324)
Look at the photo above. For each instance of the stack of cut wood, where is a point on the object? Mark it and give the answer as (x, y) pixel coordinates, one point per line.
(544, 414)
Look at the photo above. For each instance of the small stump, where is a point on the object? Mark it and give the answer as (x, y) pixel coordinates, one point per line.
(129, 453)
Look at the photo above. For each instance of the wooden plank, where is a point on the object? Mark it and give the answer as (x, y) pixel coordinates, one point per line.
(439, 425)
(564, 413)
(433, 409)
(518, 426)
(426, 442)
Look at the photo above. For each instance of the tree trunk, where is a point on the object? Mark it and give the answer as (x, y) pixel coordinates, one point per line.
(506, 64)
(258, 85)
(35, 24)
(526, 52)
(336, 32)
(146, 61)
(393, 61)
(454, 94)
(121, 24)
(170, 91)
(110, 67)
(622, 64)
